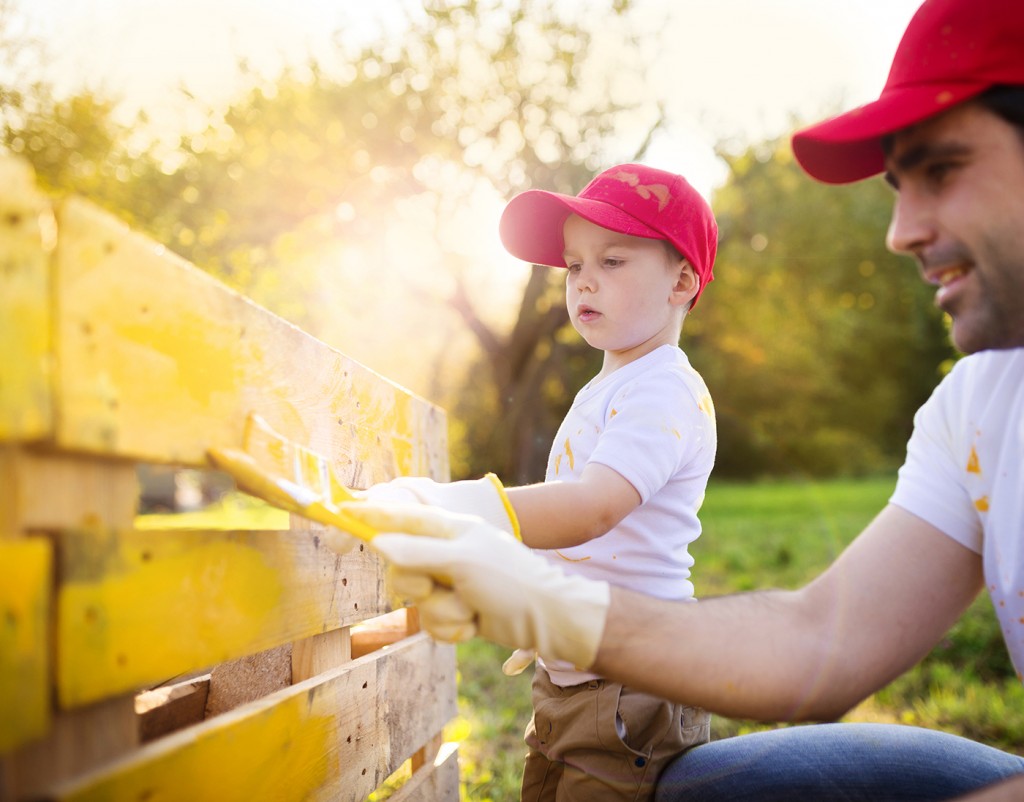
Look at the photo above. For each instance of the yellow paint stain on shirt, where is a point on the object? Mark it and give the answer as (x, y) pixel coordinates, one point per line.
(572, 559)
(614, 413)
(972, 462)
(707, 407)
(569, 454)
(981, 504)
(558, 464)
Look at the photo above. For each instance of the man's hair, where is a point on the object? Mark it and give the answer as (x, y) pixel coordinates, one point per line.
(1005, 101)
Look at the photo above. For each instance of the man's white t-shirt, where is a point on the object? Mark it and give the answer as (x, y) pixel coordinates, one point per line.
(651, 421)
(964, 474)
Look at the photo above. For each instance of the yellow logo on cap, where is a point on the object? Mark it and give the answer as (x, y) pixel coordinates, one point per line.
(645, 191)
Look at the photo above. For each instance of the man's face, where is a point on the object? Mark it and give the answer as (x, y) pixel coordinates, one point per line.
(959, 210)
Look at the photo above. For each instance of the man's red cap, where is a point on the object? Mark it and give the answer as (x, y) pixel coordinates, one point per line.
(952, 51)
(630, 199)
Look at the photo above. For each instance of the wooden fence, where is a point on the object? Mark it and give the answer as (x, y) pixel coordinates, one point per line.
(183, 664)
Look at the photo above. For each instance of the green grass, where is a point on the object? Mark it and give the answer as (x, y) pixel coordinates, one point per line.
(771, 534)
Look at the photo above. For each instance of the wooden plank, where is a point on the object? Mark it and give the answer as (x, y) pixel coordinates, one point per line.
(25, 590)
(78, 741)
(27, 237)
(136, 607)
(336, 736)
(42, 491)
(144, 336)
(321, 653)
(437, 781)
(172, 707)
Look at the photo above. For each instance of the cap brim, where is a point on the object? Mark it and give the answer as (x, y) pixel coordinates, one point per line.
(531, 225)
(849, 147)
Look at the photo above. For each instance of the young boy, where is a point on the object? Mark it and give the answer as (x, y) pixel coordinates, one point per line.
(629, 464)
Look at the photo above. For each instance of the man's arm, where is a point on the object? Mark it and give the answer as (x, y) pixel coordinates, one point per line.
(812, 653)
(1011, 790)
(557, 515)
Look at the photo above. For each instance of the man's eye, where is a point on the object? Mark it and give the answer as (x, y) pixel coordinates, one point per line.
(938, 171)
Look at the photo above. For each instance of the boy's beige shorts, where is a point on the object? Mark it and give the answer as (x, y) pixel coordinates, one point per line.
(576, 751)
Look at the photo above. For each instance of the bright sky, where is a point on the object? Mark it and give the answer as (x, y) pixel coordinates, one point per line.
(728, 67)
(739, 69)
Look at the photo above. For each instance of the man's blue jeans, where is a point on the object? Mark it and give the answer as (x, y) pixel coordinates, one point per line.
(835, 762)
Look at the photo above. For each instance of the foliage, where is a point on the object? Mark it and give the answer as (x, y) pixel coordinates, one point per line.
(759, 535)
(818, 344)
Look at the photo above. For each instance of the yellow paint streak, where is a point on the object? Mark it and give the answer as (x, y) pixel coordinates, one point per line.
(981, 504)
(614, 413)
(569, 454)
(707, 406)
(25, 570)
(115, 625)
(284, 752)
(973, 466)
(572, 559)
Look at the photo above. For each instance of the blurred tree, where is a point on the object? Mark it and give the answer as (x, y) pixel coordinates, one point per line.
(818, 344)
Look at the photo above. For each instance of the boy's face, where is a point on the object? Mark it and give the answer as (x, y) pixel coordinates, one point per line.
(625, 295)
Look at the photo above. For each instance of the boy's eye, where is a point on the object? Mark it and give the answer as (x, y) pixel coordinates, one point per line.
(611, 261)
(573, 267)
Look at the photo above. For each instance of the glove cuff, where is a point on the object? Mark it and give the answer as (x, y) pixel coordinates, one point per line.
(510, 511)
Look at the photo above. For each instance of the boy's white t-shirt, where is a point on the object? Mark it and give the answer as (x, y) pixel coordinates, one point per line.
(964, 474)
(651, 421)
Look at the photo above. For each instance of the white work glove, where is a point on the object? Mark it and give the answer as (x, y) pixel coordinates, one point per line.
(468, 577)
(518, 662)
(483, 497)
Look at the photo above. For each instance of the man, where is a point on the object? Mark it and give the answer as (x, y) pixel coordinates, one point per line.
(948, 130)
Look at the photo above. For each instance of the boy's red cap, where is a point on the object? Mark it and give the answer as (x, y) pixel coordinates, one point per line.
(629, 199)
(952, 50)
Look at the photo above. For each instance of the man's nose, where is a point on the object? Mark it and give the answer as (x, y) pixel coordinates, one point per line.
(912, 225)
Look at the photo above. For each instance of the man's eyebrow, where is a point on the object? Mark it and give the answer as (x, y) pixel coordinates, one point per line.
(913, 157)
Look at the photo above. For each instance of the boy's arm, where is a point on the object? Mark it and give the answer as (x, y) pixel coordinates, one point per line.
(557, 515)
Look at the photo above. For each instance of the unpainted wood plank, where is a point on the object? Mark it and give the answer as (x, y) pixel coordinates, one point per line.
(27, 238)
(336, 736)
(320, 653)
(26, 587)
(437, 781)
(43, 491)
(171, 707)
(136, 607)
(159, 361)
(379, 632)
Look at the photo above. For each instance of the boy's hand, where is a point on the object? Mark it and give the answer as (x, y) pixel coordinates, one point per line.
(483, 497)
(469, 578)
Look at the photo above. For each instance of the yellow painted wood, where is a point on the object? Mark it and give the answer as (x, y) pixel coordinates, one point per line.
(160, 361)
(136, 607)
(25, 588)
(27, 235)
(336, 736)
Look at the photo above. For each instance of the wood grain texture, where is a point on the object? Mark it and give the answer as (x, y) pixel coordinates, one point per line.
(145, 337)
(336, 736)
(136, 607)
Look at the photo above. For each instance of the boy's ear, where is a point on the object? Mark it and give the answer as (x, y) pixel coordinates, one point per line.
(686, 286)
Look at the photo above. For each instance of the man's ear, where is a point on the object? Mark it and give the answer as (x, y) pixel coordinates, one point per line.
(686, 286)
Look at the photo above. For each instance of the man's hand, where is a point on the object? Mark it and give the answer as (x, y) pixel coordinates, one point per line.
(469, 578)
(485, 497)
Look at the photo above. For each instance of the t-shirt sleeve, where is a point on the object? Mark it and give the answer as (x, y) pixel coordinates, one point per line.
(654, 427)
(931, 482)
